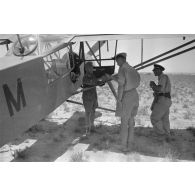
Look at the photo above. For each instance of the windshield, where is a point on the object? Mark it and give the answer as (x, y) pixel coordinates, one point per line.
(30, 44)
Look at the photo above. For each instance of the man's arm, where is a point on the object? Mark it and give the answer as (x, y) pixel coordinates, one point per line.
(120, 92)
(121, 83)
(115, 77)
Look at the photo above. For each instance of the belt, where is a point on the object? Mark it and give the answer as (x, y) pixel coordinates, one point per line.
(167, 95)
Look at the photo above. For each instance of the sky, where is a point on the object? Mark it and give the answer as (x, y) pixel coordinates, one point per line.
(184, 63)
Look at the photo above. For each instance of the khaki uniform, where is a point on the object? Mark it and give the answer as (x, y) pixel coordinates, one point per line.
(160, 112)
(129, 79)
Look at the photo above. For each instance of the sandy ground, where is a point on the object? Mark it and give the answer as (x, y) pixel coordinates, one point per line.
(60, 136)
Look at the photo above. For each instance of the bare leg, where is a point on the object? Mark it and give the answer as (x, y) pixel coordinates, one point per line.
(87, 121)
(124, 131)
(131, 132)
(92, 119)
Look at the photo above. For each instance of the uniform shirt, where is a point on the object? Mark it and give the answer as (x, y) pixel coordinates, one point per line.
(128, 77)
(164, 82)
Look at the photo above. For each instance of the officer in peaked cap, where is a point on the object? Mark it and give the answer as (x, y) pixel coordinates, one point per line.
(157, 66)
(162, 101)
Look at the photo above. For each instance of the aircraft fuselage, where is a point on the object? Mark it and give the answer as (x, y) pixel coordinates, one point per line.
(26, 97)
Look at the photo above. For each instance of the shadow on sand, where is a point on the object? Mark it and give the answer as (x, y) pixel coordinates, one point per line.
(53, 140)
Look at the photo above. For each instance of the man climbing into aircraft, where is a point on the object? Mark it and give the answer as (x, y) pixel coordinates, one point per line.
(127, 100)
(162, 101)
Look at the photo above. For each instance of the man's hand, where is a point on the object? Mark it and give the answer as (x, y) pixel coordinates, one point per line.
(155, 88)
(100, 82)
(152, 84)
(107, 76)
(114, 77)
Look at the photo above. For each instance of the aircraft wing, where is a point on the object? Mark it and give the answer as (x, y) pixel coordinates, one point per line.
(11, 37)
(102, 37)
(95, 37)
(55, 37)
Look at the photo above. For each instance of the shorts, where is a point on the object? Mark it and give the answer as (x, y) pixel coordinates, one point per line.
(90, 102)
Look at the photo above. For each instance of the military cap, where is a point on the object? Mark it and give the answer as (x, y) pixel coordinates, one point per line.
(157, 66)
(123, 55)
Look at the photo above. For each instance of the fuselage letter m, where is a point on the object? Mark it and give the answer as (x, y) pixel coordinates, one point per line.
(11, 100)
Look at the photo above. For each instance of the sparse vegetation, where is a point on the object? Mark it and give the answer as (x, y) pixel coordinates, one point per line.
(19, 154)
(77, 157)
(174, 110)
(185, 106)
(143, 110)
(188, 115)
(66, 108)
(138, 121)
(170, 155)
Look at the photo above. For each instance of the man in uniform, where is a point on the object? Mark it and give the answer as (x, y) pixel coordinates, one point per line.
(162, 101)
(127, 99)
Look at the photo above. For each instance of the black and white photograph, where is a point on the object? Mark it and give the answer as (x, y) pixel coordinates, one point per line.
(97, 97)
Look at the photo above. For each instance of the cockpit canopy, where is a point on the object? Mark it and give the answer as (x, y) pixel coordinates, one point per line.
(31, 44)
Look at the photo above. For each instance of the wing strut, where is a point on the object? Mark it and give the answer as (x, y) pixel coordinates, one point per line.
(166, 58)
(106, 109)
(142, 44)
(92, 53)
(165, 53)
(99, 52)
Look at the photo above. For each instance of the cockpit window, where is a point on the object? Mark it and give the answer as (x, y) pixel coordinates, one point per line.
(36, 44)
(57, 64)
(62, 63)
(25, 45)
